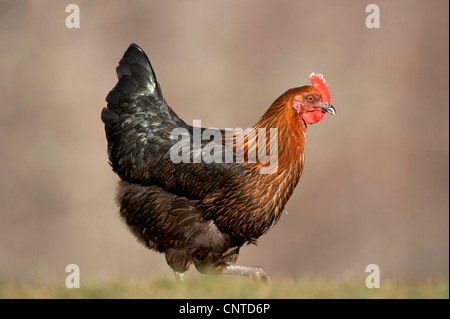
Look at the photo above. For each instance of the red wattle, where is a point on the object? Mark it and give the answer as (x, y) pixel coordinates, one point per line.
(313, 116)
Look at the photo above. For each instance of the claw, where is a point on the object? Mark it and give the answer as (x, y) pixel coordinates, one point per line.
(260, 274)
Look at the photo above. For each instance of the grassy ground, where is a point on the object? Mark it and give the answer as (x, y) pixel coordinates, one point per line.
(164, 286)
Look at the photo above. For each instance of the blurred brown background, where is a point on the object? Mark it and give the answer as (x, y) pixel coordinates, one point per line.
(375, 187)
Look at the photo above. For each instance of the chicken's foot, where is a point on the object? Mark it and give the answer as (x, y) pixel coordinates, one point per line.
(255, 272)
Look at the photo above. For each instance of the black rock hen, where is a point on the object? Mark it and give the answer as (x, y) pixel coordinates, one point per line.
(196, 212)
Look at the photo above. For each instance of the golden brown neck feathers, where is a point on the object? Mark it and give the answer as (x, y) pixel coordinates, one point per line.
(291, 132)
(291, 128)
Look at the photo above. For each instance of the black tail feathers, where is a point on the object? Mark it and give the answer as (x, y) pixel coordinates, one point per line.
(136, 78)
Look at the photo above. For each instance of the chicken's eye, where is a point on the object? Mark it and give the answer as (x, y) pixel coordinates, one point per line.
(310, 98)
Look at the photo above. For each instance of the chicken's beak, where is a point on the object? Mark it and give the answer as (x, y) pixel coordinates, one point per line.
(329, 109)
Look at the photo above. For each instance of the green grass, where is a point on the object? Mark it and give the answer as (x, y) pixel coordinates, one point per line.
(164, 286)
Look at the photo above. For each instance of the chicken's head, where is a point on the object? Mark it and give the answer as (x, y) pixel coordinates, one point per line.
(314, 101)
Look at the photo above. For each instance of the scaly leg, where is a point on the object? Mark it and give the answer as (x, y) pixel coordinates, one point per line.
(179, 276)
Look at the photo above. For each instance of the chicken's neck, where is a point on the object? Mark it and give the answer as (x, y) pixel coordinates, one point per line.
(279, 186)
(291, 132)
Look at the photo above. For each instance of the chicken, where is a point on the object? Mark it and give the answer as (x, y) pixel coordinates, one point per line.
(196, 211)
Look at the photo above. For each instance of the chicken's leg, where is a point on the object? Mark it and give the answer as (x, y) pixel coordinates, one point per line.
(179, 276)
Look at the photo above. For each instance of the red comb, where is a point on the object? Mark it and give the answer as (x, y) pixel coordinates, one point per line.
(319, 83)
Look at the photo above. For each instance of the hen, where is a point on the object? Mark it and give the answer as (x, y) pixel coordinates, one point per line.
(199, 211)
